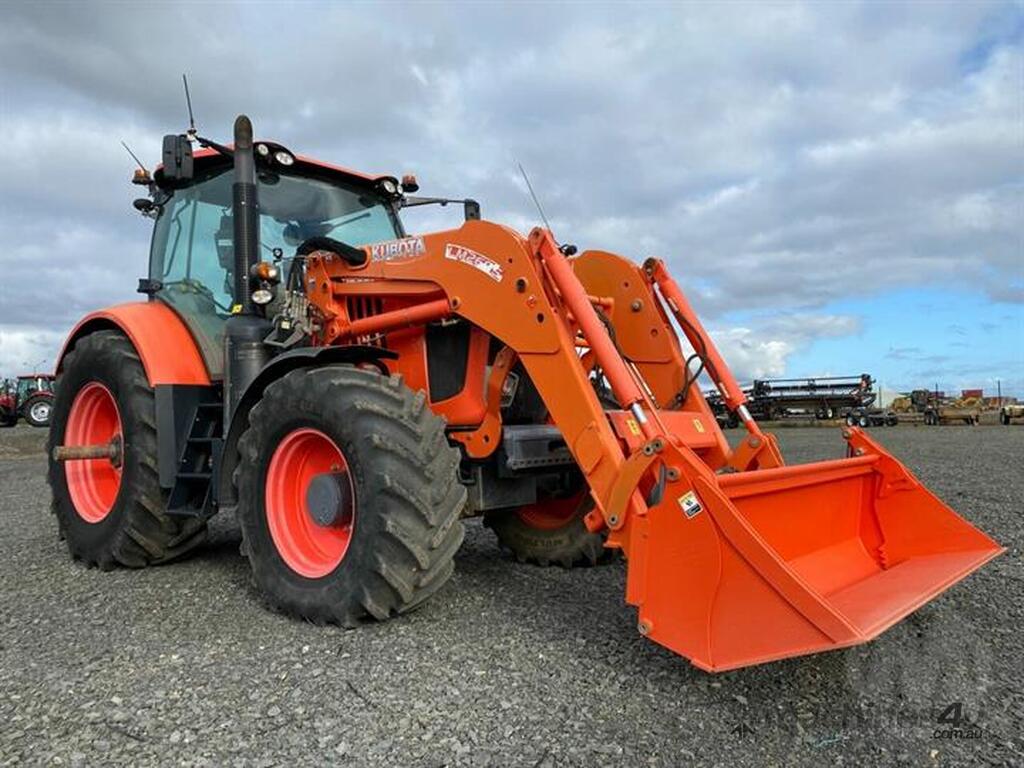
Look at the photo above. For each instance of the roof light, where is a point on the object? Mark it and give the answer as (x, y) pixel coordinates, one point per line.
(284, 158)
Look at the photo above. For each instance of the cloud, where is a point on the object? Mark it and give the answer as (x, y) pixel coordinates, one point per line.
(763, 347)
(781, 157)
(903, 353)
(27, 351)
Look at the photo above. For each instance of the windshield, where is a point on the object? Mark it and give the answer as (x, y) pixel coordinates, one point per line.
(192, 254)
(192, 242)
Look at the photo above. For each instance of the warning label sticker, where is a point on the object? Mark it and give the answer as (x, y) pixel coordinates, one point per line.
(690, 504)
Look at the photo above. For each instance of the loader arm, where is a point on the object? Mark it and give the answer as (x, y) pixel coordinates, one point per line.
(490, 276)
(734, 558)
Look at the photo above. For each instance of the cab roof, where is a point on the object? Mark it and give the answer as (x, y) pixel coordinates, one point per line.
(205, 157)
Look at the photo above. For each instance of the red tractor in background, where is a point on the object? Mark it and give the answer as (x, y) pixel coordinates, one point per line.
(29, 397)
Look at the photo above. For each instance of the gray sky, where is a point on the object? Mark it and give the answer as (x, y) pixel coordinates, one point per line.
(818, 176)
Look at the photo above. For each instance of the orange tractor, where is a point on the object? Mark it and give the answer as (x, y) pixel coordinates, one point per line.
(351, 392)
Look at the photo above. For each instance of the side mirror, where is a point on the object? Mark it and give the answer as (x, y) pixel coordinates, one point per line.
(472, 210)
(177, 158)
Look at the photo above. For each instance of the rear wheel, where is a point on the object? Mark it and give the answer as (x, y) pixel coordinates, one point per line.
(349, 497)
(549, 532)
(112, 512)
(37, 411)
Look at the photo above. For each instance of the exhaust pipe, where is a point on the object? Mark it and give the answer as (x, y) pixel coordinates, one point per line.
(245, 354)
(246, 213)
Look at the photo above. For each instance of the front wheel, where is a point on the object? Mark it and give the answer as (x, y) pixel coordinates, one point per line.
(348, 495)
(37, 411)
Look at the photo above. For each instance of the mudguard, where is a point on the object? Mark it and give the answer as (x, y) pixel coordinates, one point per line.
(169, 353)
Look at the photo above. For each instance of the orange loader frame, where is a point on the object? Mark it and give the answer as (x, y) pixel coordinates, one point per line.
(734, 558)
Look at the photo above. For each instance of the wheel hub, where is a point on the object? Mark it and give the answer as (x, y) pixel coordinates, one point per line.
(329, 499)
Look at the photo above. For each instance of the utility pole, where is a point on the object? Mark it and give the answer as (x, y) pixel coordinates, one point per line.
(999, 393)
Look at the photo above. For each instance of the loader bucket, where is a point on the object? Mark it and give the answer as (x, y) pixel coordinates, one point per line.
(794, 560)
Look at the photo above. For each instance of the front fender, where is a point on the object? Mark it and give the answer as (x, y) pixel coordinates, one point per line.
(168, 352)
(303, 357)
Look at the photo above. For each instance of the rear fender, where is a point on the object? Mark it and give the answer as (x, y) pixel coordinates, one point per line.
(168, 352)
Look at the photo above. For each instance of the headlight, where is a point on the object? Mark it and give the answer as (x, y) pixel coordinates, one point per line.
(389, 186)
(284, 158)
(262, 296)
(262, 149)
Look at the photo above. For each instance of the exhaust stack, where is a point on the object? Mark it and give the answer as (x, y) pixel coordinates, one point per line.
(245, 354)
(245, 212)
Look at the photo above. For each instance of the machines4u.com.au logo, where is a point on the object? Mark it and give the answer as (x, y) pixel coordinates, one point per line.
(953, 723)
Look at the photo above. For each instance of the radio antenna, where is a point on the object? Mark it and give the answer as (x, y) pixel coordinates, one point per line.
(533, 194)
(135, 157)
(188, 101)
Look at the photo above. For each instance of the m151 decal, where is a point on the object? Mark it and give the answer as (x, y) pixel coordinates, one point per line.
(476, 260)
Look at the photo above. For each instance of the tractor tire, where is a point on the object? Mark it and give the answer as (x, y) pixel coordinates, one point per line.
(8, 420)
(112, 516)
(863, 422)
(390, 536)
(551, 532)
(38, 411)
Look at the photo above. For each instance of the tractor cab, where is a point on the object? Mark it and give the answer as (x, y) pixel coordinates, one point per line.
(32, 383)
(192, 254)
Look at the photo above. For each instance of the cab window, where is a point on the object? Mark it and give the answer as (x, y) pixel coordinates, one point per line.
(192, 255)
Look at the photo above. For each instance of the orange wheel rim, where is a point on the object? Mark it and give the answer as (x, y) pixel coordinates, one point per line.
(309, 549)
(93, 484)
(550, 514)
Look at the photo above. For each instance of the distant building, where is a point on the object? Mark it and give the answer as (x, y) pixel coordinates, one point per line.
(972, 393)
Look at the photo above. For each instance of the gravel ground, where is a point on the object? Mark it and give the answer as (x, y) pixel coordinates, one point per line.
(511, 665)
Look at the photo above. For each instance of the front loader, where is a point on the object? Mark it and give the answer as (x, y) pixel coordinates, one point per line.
(351, 392)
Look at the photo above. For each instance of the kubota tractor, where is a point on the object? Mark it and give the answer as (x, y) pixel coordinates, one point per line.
(351, 391)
